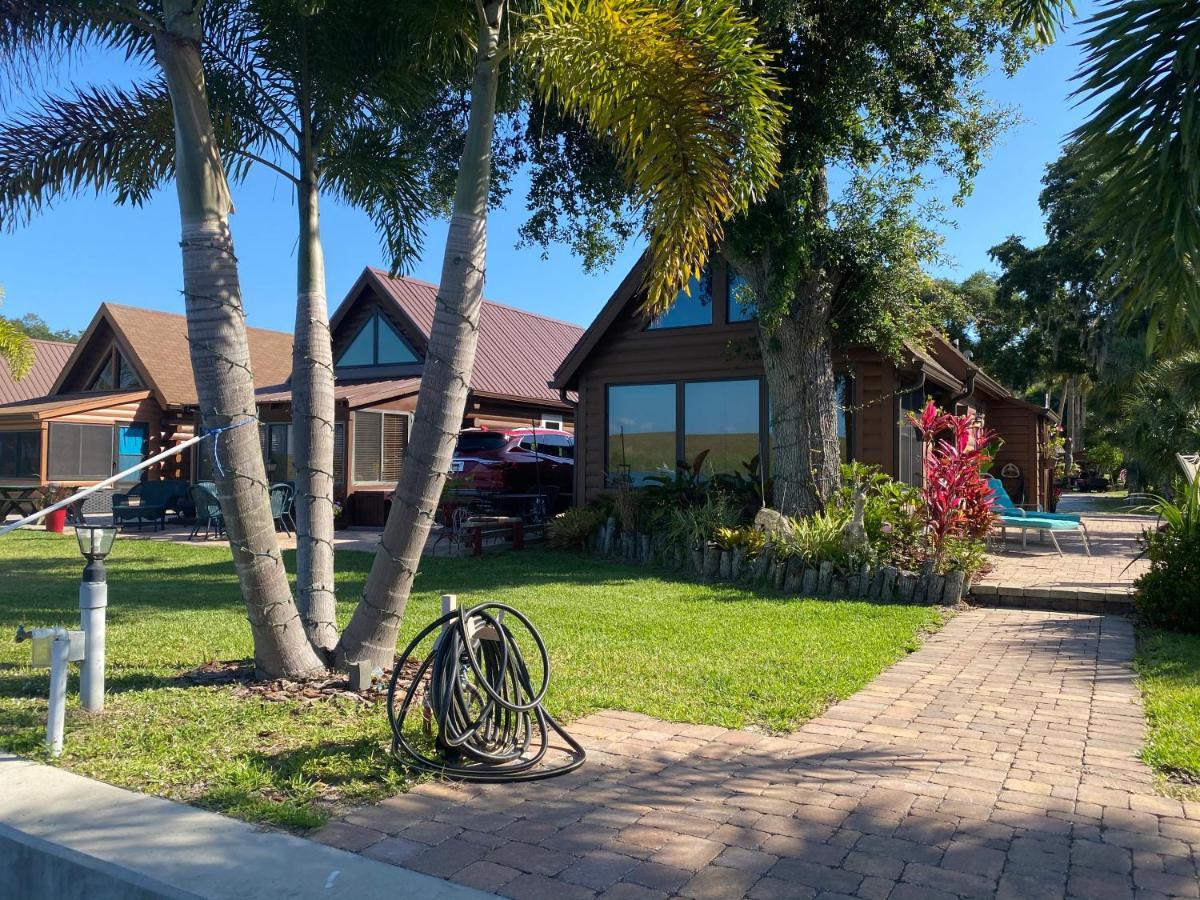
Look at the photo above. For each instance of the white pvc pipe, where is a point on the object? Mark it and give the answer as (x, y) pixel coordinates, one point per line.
(93, 606)
(60, 654)
(88, 491)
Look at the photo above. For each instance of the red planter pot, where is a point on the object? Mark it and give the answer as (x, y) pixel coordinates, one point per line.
(56, 520)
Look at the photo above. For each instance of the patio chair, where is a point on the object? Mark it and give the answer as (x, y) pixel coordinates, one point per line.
(1034, 522)
(208, 510)
(283, 495)
(1004, 506)
(148, 501)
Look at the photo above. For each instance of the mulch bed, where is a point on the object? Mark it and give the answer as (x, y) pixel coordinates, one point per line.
(332, 685)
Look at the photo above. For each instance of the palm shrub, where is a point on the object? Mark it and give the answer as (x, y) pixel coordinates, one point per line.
(1168, 595)
(817, 538)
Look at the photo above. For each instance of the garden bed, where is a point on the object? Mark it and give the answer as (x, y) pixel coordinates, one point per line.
(619, 637)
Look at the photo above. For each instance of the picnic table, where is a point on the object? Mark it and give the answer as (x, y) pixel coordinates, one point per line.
(22, 500)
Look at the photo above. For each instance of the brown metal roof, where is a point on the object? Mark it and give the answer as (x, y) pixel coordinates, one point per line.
(62, 404)
(49, 359)
(518, 351)
(356, 394)
(159, 341)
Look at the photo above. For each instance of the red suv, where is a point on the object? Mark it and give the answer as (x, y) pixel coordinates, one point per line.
(517, 461)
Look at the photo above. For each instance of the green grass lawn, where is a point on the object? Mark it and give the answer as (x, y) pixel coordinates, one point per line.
(1169, 666)
(619, 637)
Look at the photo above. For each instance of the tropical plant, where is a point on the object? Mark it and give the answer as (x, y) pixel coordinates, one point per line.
(684, 97)
(1168, 595)
(1140, 69)
(330, 99)
(571, 529)
(956, 495)
(964, 554)
(748, 537)
(15, 349)
(689, 528)
(893, 514)
(817, 538)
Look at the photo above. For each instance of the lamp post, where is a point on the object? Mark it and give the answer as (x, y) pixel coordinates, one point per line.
(95, 543)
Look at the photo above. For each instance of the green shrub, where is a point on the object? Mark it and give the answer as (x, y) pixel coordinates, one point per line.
(963, 554)
(1168, 596)
(818, 538)
(570, 530)
(688, 527)
(892, 515)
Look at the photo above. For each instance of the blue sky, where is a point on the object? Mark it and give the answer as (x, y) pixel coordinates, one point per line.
(87, 249)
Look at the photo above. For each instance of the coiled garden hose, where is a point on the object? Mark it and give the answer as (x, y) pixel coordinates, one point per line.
(478, 693)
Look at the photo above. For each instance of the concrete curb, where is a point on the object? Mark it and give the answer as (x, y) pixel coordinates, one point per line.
(63, 836)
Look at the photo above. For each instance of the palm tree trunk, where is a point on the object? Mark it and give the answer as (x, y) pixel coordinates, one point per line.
(220, 353)
(371, 634)
(313, 410)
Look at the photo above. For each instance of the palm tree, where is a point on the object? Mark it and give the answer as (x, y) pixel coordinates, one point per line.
(15, 347)
(170, 33)
(1141, 69)
(330, 101)
(686, 99)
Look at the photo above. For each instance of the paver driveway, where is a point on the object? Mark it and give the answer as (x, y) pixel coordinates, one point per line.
(998, 760)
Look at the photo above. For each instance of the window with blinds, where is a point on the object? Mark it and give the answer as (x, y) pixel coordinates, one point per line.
(380, 442)
(80, 452)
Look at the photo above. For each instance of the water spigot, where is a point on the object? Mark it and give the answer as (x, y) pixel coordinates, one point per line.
(22, 634)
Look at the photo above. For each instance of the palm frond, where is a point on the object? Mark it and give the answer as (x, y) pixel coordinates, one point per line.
(1041, 18)
(15, 349)
(688, 101)
(1142, 68)
(374, 169)
(95, 139)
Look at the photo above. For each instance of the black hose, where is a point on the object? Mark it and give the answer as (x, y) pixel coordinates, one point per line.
(490, 723)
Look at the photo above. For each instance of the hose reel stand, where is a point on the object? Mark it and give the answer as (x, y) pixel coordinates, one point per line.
(479, 704)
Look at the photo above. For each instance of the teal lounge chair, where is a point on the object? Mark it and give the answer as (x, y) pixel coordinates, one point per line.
(1009, 515)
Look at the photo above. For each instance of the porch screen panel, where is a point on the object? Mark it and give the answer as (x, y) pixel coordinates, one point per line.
(368, 444)
(80, 452)
(641, 430)
(911, 468)
(722, 418)
(20, 454)
(395, 445)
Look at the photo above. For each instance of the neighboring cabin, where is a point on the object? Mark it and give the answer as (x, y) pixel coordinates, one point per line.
(126, 392)
(655, 392)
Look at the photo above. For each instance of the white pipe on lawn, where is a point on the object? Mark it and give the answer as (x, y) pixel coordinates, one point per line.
(60, 654)
(88, 491)
(93, 606)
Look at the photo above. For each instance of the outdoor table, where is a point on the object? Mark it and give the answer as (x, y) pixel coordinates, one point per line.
(24, 501)
(513, 525)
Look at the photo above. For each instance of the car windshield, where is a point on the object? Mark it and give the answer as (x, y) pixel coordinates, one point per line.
(478, 441)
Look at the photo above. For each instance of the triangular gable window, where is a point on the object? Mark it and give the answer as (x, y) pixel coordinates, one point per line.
(377, 344)
(116, 373)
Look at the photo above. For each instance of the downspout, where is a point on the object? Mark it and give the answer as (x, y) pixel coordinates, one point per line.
(967, 391)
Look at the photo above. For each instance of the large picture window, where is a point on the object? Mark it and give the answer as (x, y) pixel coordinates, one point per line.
(641, 430)
(20, 454)
(722, 418)
(80, 452)
(691, 307)
(380, 443)
(377, 344)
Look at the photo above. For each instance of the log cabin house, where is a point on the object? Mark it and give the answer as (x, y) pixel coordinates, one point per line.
(651, 393)
(126, 392)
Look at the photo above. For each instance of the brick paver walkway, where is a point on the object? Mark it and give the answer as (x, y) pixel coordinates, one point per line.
(998, 760)
(1039, 573)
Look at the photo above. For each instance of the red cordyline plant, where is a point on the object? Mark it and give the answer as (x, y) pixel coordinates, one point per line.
(956, 493)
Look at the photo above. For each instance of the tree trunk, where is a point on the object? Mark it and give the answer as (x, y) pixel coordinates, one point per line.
(220, 354)
(313, 411)
(371, 634)
(797, 356)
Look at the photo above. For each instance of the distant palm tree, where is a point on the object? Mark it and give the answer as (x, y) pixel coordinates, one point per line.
(686, 98)
(15, 347)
